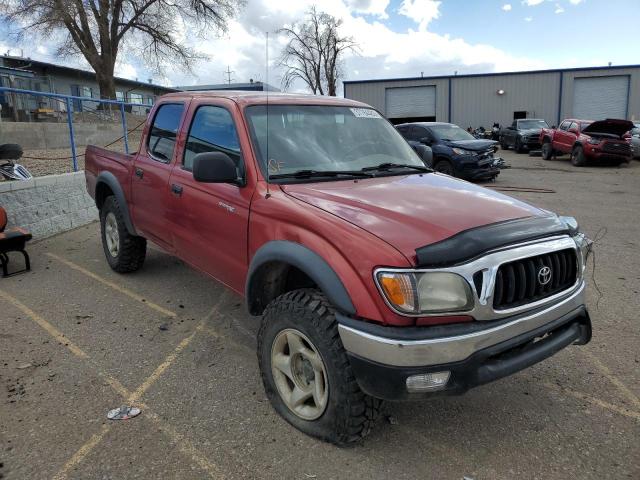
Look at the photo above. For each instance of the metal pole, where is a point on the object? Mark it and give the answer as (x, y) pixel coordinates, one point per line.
(124, 128)
(71, 134)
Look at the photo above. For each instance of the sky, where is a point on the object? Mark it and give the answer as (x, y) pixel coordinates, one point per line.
(403, 38)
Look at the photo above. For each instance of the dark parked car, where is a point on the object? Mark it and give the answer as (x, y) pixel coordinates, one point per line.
(455, 151)
(523, 134)
(634, 140)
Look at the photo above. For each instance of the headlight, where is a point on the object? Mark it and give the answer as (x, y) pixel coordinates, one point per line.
(462, 151)
(594, 141)
(429, 292)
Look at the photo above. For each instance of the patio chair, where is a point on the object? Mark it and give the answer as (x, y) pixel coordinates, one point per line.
(12, 240)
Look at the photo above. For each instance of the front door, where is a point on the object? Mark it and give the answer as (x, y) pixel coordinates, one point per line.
(209, 221)
(151, 171)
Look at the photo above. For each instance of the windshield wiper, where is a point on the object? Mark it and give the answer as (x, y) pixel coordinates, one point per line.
(389, 166)
(321, 173)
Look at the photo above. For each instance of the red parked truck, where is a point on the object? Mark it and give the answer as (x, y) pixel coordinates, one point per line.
(586, 140)
(373, 277)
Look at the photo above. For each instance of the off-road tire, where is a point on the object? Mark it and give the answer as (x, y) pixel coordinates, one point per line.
(503, 144)
(518, 146)
(547, 150)
(10, 151)
(444, 166)
(577, 157)
(350, 413)
(132, 249)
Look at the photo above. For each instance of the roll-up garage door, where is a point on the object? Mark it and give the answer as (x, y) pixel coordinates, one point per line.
(596, 98)
(406, 102)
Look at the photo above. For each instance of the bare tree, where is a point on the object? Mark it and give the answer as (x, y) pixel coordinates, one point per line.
(314, 52)
(101, 29)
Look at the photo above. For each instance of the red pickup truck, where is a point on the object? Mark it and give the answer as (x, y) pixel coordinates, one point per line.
(586, 140)
(373, 277)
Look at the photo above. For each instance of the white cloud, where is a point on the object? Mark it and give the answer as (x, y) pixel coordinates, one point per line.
(383, 52)
(559, 8)
(575, 2)
(370, 7)
(531, 3)
(506, 7)
(420, 11)
(528, 19)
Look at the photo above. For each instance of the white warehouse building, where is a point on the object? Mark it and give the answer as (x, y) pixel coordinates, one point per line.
(482, 99)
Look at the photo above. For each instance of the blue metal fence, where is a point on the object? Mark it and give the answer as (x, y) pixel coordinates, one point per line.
(68, 101)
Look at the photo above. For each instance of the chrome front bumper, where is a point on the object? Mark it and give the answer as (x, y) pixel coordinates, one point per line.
(449, 349)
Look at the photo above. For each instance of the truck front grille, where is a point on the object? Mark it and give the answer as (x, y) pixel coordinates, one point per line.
(530, 279)
(621, 148)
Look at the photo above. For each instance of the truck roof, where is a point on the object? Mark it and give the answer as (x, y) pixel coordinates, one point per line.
(260, 98)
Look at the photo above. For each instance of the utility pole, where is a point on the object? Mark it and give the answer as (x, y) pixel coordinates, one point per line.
(228, 73)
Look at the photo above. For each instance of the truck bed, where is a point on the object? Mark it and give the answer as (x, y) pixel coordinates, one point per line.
(98, 160)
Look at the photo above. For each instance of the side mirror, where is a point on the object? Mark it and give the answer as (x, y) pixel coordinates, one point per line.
(425, 140)
(426, 154)
(553, 127)
(214, 167)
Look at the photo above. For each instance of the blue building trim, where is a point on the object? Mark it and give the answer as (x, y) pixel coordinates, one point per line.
(527, 72)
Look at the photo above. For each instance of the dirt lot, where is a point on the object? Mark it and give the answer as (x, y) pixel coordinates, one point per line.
(77, 339)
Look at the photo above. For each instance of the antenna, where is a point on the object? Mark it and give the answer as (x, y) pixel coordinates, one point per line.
(267, 108)
(228, 73)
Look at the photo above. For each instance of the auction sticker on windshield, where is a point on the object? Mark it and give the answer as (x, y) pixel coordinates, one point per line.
(364, 113)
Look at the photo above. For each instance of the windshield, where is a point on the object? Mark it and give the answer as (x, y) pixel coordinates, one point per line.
(448, 131)
(527, 124)
(325, 138)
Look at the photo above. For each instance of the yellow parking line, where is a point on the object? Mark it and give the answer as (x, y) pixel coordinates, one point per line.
(123, 290)
(53, 331)
(163, 366)
(82, 452)
(633, 398)
(595, 401)
(186, 447)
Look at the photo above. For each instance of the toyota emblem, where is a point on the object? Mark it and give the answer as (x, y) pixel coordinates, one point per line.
(544, 275)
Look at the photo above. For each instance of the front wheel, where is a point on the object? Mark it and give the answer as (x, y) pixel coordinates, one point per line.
(547, 150)
(124, 252)
(518, 146)
(306, 373)
(577, 157)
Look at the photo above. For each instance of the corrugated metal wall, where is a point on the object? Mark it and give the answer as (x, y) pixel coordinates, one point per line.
(374, 93)
(475, 102)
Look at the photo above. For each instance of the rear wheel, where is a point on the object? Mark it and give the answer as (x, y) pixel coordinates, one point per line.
(306, 373)
(547, 150)
(444, 166)
(503, 144)
(124, 252)
(577, 157)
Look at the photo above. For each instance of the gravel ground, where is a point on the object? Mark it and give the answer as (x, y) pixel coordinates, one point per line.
(77, 339)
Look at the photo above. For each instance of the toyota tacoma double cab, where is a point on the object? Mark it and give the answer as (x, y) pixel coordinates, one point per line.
(586, 141)
(373, 277)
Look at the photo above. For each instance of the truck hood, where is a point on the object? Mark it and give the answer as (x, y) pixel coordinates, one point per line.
(412, 211)
(475, 145)
(531, 131)
(610, 125)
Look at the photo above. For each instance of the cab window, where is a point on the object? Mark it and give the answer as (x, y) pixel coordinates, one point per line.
(162, 139)
(212, 130)
(564, 125)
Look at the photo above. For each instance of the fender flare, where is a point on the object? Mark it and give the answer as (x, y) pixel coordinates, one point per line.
(306, 260)
(110, 180)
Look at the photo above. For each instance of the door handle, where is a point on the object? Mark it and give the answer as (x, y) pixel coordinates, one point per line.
(176, 189)
(139, 172)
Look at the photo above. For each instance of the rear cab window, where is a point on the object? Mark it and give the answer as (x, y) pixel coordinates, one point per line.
(164, 129)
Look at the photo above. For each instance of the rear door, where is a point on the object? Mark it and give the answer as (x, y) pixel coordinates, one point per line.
(152, 168)
(209, 221)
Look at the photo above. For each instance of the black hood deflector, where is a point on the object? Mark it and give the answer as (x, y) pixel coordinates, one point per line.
(472, 243)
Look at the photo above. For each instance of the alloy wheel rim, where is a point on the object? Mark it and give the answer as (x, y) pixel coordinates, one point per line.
(299, 374)
(111, 234)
